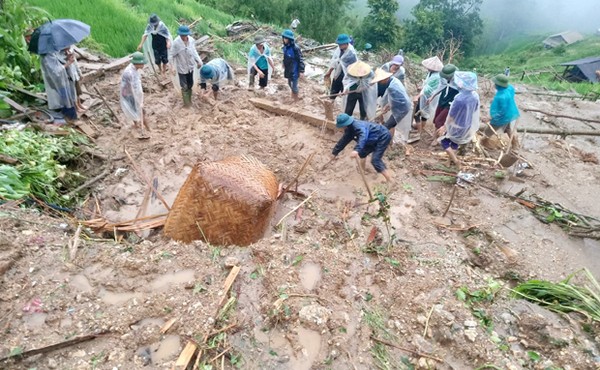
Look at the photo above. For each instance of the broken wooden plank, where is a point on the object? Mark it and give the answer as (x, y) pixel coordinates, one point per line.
(91, 66)
(85, 128)
(117, 64)
(52, 347)
(92, 75)
(321, 47)
(558, 132)
(235, 270)
(562, 115)
(310, 118)
(85, 55)
(168, 325)
(202, 40)
(107, 106)
(18, 107)
(185, 356)
(28, 93)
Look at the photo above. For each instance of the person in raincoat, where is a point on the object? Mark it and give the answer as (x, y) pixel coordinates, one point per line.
(463, 118)
(343, 56)
(371, 138)
(161, 41)
(396, 67)
(216, 71)
(186, 58)
(358, 89)
(293, 62)
(396, 100)
(426, 107)
(260, 62)
(503, 110)
(131, 94)
(59, 88)
(74, 74)
(447, 94)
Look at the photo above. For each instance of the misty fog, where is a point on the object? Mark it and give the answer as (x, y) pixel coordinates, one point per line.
(535, 16)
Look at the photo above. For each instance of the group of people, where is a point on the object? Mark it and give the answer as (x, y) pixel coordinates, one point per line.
(448, 98)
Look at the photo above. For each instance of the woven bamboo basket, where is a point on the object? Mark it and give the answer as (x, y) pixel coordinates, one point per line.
(228, 202)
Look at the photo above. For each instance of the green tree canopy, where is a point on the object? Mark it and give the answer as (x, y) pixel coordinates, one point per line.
(436, 21)
(380, 27)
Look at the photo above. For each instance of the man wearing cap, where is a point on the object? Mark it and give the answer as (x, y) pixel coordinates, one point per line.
(216, 71)
(186, 58)
(503, 110)
(426, 107)
(131, 94)
(395, 66)
(161, 41)
(463, 118)
(293, 62)
(369, 137)
(358, 88)
(260, 62)
(447, 95)
(395, 99)
(342, 58)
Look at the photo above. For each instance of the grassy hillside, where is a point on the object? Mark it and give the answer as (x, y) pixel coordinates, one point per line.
(528, 55)
(117, 25)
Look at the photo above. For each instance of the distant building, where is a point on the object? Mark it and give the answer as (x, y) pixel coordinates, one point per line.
(563, 38)
(587, 69)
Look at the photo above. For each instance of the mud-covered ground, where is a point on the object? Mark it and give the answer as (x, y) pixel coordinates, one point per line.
(320, 289)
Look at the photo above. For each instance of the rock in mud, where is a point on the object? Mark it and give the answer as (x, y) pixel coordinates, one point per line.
(315, 315)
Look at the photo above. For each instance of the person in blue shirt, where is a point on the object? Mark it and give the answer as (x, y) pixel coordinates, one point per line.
(260, 62)
(370, 138)
(293, 62)
(503, 111)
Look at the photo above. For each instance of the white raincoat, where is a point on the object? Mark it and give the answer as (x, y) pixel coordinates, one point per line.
(340, 64)
(254, 55)
(131, 94)
(463, 118)
(400, 73)
(430, 86)
(368, 91)
(397, 98)
(160, 30)
(223, 72)
(184, 56)
(59, 89)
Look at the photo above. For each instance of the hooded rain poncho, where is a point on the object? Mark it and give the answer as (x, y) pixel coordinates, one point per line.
(400, 103)
(222, 72)
(503, 109)
(430, 86)
(463, 118)
(254, 55)
(60, 90)
(162, 30)
(340, 63)
(400, 73)
(368, 91)
(132, 95)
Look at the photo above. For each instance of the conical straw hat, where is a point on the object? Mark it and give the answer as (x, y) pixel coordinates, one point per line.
(359, 69)
(433, 64)
(380, 75)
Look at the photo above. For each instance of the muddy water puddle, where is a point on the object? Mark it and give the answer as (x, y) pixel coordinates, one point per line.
(310, 275)
(114, 298)
(81, 283)
(160, 352)
(35, 320)
(164, 281)
(277, 342)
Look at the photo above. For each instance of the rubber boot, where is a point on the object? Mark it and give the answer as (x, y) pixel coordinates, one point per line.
(187, 97)
(251, 82)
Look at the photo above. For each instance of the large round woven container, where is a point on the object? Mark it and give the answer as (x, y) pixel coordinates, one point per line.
(228, 202)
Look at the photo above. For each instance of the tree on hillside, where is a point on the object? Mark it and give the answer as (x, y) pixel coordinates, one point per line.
(321, 20)
(380, 27)
(437, 21)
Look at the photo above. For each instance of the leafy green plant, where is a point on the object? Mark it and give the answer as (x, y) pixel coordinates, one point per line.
(565, 296)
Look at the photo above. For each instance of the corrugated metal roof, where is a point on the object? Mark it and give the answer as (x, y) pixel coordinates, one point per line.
(567, 37)
(582, 61)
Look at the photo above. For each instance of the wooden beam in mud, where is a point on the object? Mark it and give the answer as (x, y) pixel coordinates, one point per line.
(558, 132)
(310, 118)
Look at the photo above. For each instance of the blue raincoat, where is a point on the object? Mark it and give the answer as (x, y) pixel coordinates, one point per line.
(504, 109)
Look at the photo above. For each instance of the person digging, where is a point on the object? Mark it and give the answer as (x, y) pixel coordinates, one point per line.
(186, 58)
(503, 112)
(217, 72)
(131, 94)
(371, 138)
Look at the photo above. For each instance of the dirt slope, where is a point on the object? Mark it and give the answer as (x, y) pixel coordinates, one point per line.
(309, 295)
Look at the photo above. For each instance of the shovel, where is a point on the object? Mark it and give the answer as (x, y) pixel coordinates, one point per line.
(143, 135)
(509, 158)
